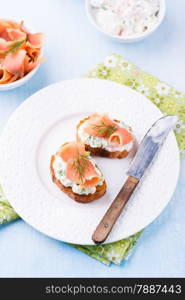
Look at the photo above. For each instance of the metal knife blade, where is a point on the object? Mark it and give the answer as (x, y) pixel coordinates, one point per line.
(151, 145)
(148, 149)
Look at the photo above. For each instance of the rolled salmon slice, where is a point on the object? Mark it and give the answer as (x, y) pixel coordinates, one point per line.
(120, 137)
(102, 126)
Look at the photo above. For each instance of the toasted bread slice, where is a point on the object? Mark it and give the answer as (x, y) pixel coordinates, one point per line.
(100, 189)
(100, 151)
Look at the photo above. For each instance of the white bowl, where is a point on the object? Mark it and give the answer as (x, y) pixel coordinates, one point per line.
(27, 77)
(126, 39)
(19, 82)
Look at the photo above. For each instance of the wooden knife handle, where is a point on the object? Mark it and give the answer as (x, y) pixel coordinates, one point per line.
(106, 224)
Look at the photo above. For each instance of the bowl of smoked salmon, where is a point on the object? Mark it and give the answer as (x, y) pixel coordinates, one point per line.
(20, 54)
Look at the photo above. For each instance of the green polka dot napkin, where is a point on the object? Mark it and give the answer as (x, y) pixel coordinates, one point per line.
(169, 101)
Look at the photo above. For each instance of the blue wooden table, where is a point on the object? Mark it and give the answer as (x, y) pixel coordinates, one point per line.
(72, 48)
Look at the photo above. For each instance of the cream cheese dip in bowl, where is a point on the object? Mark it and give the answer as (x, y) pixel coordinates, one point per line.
(126, 21)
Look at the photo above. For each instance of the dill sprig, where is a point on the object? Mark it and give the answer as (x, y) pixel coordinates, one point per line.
(15, 47)
(80, 164)
(106, 129)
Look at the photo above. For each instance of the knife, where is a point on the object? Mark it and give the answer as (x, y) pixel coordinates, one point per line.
(146, 153)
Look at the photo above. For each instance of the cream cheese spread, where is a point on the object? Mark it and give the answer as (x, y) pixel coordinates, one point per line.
(98, 142)
(59, 167)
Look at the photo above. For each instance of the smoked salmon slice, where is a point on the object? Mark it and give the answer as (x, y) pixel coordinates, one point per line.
(20, 51)
(4, 45)
(79, 168)
(35, 40)
(5, 76)
(16, 34)
(102, 126)
(14, 63)
(85, 176)
(71, 150)
(120, 137)
(99, 125)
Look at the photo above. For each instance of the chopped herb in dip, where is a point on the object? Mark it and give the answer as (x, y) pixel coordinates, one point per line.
(126, 17)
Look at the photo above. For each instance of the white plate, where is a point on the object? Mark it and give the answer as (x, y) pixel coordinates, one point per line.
(48, 119)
